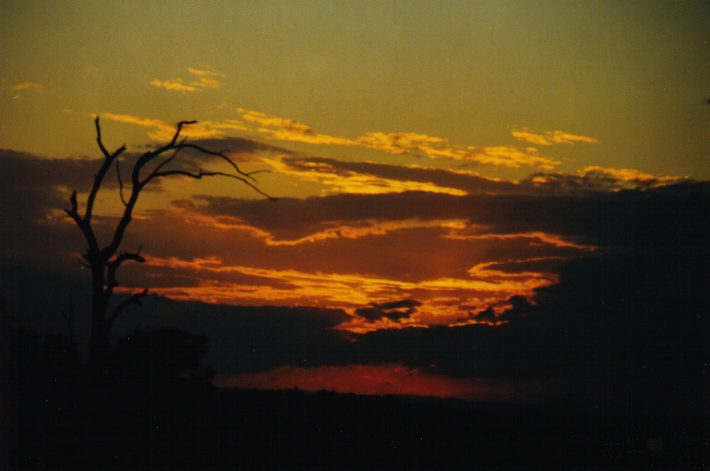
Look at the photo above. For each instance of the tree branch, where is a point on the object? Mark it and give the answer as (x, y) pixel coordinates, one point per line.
(221, 155)
(179, 130)
(203, 173)
(165, 162)
(99, 177)
(138, 184)
(107, 154)
(73, 211)
(115, 264)
(263, 170)
(135, 298)
(85, 228)
(120, 184)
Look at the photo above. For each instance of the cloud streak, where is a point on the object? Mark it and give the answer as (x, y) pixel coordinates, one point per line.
(204, 79)
(397, 143)
(28, 86)
(549, 138)
(400, 143)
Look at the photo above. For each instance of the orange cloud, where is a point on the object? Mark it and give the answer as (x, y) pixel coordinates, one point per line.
(400, 143)
(595, 178)
(475, 233)
(162, 131)
(286, 129)
(334, 229)
(549, 138)
(408, 143)
(629, 175)
(173, 85)
(454, 270)
(205, 79)
(483, 288)
(337, 181)
(29, 86)
(204, 72)
(387, 379)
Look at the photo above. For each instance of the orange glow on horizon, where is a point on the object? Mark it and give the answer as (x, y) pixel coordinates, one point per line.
(388, 379)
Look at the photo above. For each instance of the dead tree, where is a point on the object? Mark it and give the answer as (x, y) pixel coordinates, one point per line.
(104, 259)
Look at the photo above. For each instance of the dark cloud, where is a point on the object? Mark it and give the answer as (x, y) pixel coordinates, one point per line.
(36, 187)
(594, 180)
(627, 327)
(630, 325)
(588, 181)
(634, 315)
(32, 186)
(624, 217)
(395, 310)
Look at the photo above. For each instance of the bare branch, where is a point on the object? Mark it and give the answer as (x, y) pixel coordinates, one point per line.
(115, 264)
(179, 130)
(107, 154)
(164, 162)
(135, 298)
(221, 155)
(138, 184)
(99, 177)
(263, 170)
(120, 184)
(73, 210)
(203, 173)
(85, 228)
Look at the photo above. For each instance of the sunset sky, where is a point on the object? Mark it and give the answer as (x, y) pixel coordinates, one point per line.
(435, 164)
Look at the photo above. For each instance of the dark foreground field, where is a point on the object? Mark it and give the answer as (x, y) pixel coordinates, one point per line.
(196, 426)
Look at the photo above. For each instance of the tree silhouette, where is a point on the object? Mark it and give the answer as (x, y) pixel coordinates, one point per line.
(104, 261)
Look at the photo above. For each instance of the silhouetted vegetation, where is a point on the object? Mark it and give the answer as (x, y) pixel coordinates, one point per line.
(104, 259)
(157, 408)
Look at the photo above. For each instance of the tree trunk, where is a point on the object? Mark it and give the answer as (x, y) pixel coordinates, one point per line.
(98, 342)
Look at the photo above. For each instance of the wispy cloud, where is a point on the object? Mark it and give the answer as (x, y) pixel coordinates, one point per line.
(413, 144)
(514, 157)
(548, 138)
(174, 85)
(284, 129)
(399, 143)
(161, 131)
(335, 180)
(29, 86)
(203, 79)
(204, 72)
(629, 175)
(600, 179)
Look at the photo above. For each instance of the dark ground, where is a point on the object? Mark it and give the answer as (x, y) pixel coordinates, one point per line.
(189, 424)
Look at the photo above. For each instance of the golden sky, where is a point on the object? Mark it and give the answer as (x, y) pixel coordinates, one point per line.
(435, 163)
(632, 76)
(370, 100)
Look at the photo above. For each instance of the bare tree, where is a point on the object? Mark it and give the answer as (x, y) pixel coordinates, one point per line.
(104, 261)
